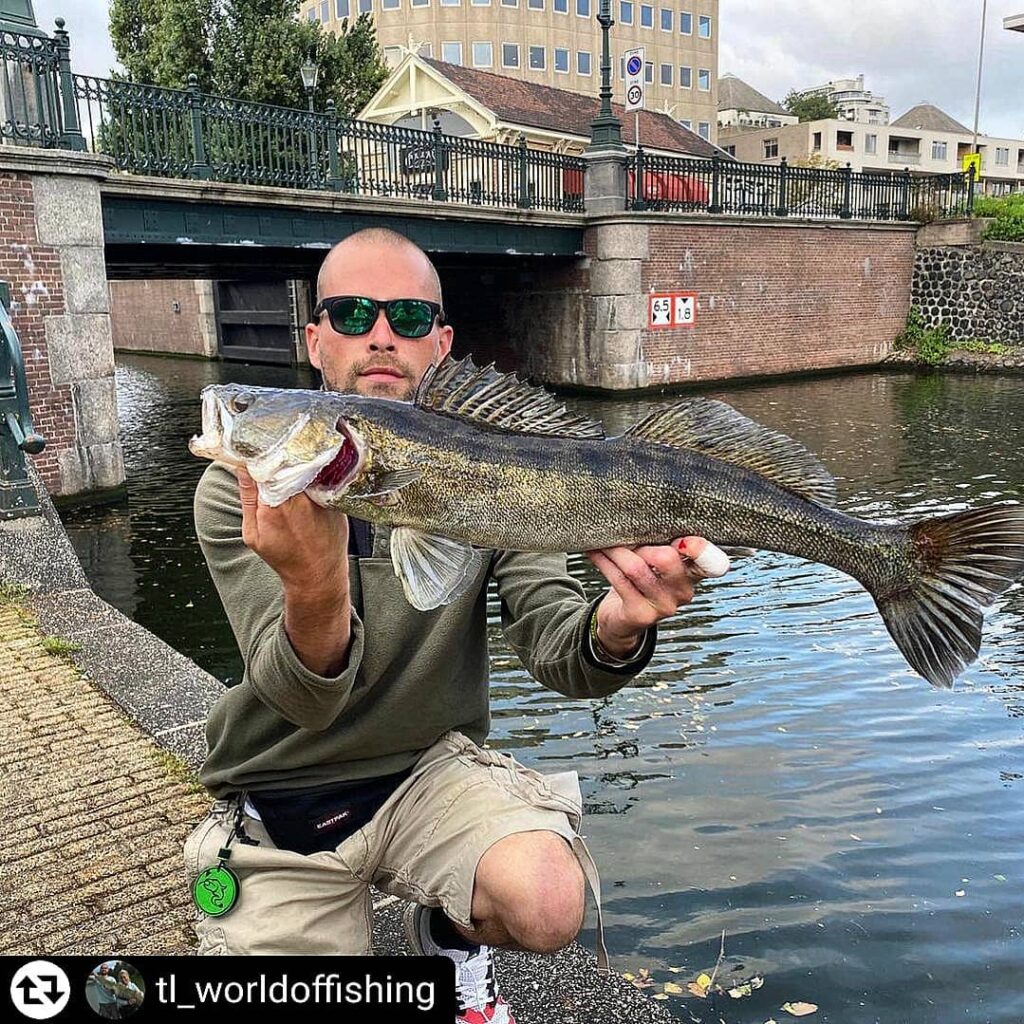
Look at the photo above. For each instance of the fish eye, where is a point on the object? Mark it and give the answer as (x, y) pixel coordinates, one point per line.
(239, 403)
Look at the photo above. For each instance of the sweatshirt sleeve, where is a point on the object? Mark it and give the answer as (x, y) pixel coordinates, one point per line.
(253, 599)
(545, 616)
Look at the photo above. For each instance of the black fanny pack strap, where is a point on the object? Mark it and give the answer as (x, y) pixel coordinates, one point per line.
(313, 820)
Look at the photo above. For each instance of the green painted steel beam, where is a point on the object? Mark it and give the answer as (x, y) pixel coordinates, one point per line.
(138, 221)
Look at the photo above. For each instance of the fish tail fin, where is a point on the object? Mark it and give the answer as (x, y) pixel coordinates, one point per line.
(959, 565)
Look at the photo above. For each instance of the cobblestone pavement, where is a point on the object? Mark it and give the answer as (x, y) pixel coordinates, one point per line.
(93, 814)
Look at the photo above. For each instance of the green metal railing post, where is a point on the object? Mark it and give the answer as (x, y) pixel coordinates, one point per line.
(846, 213)
(971, 175)
(782, 210)
(904, 207)
(524, 201)
(639, 199)
(200, 167)
(333, 164)
(716, 185)
(440, 193)
(17, 435)
(72, 137)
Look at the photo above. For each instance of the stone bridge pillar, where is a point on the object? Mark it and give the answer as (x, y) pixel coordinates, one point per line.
(51, 253)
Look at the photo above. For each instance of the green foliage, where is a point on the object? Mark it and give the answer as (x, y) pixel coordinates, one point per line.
(933, 345)
(1008, 212)
(809, 108)
(246, 50)
(60, 647)
(12, 593)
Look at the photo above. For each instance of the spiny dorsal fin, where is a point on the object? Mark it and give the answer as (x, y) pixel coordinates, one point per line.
(720, 432)
(494, 399)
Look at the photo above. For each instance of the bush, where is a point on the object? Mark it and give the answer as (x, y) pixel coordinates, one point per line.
(1008, 214)
(931, 345)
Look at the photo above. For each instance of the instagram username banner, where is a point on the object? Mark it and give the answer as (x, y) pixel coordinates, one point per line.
(419, 990)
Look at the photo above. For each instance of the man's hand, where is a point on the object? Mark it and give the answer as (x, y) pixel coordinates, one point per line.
(307, 546)
(648, 585)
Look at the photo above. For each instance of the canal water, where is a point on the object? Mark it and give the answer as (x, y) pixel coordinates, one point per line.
(778, 773)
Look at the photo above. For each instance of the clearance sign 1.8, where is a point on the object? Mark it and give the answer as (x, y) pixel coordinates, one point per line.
(672, 309)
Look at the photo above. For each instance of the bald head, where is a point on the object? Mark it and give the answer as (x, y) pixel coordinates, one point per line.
(380, 243)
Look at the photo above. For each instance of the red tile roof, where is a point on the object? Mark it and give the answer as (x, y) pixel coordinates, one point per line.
(568, 113)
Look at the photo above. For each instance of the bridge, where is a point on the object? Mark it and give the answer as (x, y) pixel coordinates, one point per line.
(109, 180)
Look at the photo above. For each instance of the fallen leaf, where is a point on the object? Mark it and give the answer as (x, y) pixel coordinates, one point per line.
(744, 990)
(998, 878)
(629, 977)
(644, 972)
(660, 995)
(704, 981)
(697, 990)
(853, 835)
(800, 1009)
(673, 988)
(960, 892)
(679, 970)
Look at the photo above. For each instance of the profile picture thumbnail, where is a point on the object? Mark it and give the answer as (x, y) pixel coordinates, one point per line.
(115, 989)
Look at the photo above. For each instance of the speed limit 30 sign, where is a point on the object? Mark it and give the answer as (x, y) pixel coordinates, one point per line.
(672, 309)
(633, 61)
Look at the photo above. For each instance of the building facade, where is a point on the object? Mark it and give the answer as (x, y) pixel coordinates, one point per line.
(852, 100)
(741, 105)
(924, 140)
(557, 43)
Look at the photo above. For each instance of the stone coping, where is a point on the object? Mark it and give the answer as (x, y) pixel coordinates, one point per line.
(31, 160)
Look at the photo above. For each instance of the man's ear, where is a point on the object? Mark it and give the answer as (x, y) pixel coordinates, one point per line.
(444, 342)
(313, 344)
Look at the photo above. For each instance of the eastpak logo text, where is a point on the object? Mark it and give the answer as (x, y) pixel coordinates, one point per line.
(331, 820)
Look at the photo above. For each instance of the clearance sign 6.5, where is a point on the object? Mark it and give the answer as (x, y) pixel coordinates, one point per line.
(672, 309)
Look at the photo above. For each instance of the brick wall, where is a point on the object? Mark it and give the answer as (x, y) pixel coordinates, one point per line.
(34, 273)
(775, 299)
(143, 317)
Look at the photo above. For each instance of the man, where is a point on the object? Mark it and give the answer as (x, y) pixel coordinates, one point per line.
(350, 752)
(102, 988)
(129, 995)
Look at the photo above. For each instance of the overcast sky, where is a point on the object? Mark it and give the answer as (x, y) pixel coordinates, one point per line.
(908, 50)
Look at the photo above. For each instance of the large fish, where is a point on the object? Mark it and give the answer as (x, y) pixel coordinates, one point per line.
(481, 460)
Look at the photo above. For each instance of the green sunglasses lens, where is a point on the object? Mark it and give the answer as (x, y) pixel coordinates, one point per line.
(410, 318)
(353, 316)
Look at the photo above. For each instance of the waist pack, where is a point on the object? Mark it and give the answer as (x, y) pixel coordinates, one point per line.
(312, 820)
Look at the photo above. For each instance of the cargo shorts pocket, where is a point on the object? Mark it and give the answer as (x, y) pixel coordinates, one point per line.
(193, 854)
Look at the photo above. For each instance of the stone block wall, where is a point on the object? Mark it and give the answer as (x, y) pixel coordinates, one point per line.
(977, 291)
(168, 316)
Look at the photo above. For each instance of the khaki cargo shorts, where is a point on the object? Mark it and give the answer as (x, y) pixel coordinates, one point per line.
(423, 845)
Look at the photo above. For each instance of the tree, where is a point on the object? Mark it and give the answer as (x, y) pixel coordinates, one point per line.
(809, 108)
(246, 50)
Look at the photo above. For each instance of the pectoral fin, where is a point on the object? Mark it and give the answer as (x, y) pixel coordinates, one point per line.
(388, 486)
(433, 570)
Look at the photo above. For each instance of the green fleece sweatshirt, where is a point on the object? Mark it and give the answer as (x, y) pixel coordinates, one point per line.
(410, 677)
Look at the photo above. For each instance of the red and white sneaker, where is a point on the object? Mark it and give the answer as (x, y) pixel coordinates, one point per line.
(476, 990)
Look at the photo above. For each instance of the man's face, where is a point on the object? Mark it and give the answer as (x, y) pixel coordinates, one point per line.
(381, 363)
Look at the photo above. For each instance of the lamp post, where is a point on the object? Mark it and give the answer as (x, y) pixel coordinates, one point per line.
(310, 73)
(605, 129)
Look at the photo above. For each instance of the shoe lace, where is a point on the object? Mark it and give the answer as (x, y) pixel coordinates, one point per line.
(475, 987)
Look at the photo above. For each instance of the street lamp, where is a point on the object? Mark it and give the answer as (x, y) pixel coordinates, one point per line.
(605, 129)
(310, 73)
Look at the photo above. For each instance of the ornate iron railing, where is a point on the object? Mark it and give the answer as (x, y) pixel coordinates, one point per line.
(188, 133)
(717, 186)
(36, 104)
(17, 435)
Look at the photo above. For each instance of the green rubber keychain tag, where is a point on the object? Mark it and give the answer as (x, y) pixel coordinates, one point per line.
(216, 889)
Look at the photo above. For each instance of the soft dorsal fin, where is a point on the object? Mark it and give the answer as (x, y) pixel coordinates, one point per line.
(494, 399)
(720, 432)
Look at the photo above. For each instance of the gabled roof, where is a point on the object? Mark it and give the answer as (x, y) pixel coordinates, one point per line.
(928, 117)
(735, 94)
(530, 104)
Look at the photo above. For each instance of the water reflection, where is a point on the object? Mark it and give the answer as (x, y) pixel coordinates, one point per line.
(778, 771)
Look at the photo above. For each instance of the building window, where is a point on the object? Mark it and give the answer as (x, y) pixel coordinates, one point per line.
(731, 150)
(704, 130)
(325, 11)
(771, 148)
(686, 23)
(341, 8)
(666, 20)
(1002, 156)
(451, 53)
(649, 72)
(561, 6)
(870, 143)
(704, 26)
(509, 3)
(421, 3)
(393, 55)
(561, 61)
(583, 8)
(535, 5)
(483, 55)
(938, 151)
(817, 140)
(704, 80)
(451, 3)
(481, 3)
(666, 74)
(626, 12)
(537, 61)
(365, 6)
(685, 77)
(687, 124)
(510, 55)
(311, 14)
(582, 62)
(844, 141)
(646, 16)
(425, 50)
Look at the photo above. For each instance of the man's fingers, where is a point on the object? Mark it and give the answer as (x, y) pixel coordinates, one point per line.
(634, 579)
(706, 560)
(247, 490)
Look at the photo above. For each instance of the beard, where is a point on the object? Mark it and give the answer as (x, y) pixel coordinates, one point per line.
(403, 389)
